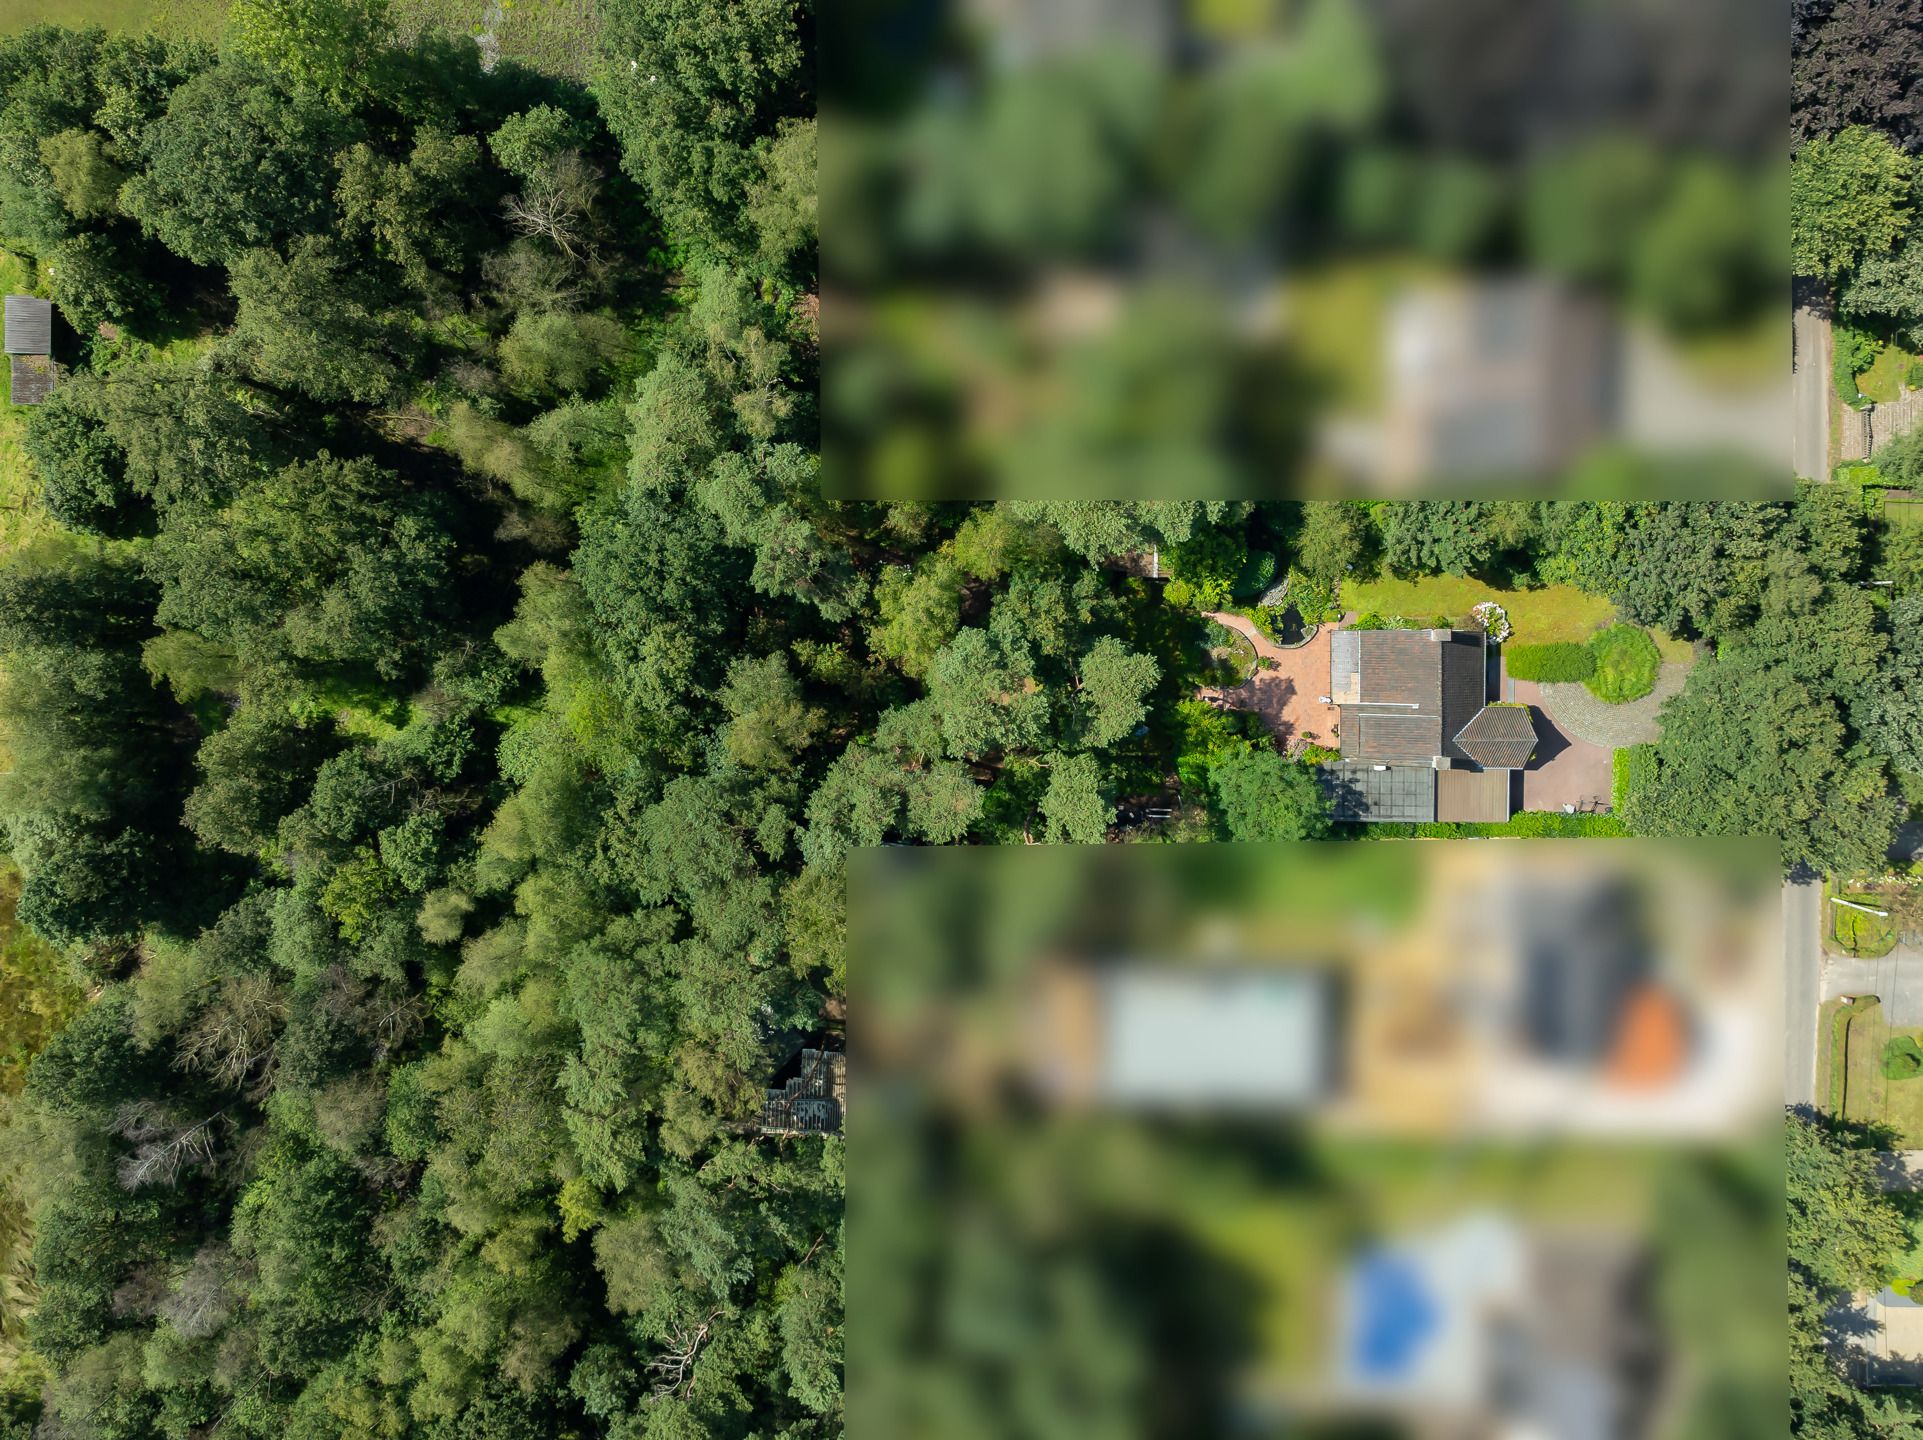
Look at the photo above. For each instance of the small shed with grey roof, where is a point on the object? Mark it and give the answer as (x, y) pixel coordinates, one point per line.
(29, 346)
(29, 325)
(31, 377)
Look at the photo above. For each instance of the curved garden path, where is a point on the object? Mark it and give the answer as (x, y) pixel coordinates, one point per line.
(1288, 697)
(1635, 722)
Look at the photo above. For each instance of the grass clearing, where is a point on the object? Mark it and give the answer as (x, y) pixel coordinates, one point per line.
(22, 521)
(554, 36)
(175, 19)
(1857, 932)
(1673, 651)
(1626, 664)
(1551, 612)
(1869, 1098)
(1883, 381)
(1739, 354)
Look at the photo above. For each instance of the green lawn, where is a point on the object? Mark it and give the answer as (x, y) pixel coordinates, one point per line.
(1883, 381)
(1554, 612)
(557, 36)
(1626, 664)
(1870, 1099)
(187, 18)
(1833, 1027)
(1857, 932)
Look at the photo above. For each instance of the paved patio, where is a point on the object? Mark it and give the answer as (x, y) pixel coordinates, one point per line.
(1566, 771)
(1289, 697)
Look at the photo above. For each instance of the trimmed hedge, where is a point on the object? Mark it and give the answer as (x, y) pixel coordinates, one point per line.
(1631, 768)
(1529, 825)
(1560, 662)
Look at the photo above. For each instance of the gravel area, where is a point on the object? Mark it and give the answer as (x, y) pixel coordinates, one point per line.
(1585, 717)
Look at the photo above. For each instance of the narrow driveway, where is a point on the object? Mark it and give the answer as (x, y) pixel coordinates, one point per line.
(1566, 770)
(1802, 975)
(1896, 979)
(1289, 697)
(1809, 392)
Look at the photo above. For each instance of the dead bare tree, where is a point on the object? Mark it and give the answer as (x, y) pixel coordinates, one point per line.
(673, 1370)
(232, 1040)
(201, 1299)
(400, 1016)
(557, 205)
(163, 1145)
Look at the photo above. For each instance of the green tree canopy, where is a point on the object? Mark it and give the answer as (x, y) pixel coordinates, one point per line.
(1263, 797)
(1849, 200)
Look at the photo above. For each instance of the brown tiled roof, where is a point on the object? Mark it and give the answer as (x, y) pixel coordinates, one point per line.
(1500, 737)
(1400, 667)
(1405, 693)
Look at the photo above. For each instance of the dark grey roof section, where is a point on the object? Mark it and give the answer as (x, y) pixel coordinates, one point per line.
(31, 379)
(1401, 667)
(1465, 690)
(1502, 737)
(29, 325)
(1583, 952)
(1375, 793)
(1405, 694)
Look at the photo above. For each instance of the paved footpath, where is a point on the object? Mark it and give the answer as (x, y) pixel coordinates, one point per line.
(1802, 974)
(1809, 394)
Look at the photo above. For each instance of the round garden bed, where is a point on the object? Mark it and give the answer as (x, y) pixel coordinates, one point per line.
(1231, 657)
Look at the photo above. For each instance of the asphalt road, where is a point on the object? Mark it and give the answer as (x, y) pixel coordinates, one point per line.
(1802, 974)
(1809, 394)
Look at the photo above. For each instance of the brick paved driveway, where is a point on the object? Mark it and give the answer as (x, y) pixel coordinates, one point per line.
(1289, 697)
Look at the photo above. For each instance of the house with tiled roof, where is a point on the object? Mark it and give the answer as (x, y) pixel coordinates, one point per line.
(1420, 739)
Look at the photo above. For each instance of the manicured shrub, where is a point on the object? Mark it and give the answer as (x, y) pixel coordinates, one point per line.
(1902, 1060)
(1313, 599)
(1626, 664)
(1559, 662)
